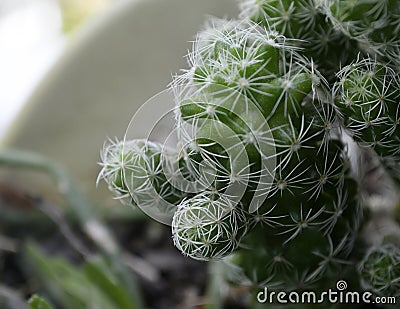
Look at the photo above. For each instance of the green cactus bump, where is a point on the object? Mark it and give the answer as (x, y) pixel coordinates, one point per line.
(137, 173)
(380, 271)
(208, 226)
(367, 95)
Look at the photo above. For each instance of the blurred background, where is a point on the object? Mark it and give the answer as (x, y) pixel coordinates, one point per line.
(72, 74)
(32, 35)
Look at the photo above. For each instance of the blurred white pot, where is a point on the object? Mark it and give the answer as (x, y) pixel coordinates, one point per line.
(116, 62)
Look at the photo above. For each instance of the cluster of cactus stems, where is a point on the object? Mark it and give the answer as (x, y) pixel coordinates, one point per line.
(261, 175)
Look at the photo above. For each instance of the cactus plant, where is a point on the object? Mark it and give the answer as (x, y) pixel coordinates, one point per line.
(263, 170)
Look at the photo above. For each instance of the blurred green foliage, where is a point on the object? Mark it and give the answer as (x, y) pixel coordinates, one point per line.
(95, 277)
(95, 284)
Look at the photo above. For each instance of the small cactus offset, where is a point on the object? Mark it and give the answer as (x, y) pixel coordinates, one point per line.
(137, 173)
(367, 96)
(263, 175)
(380, 271)
(208, 226)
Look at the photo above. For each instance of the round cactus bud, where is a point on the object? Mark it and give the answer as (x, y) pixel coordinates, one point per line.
(367, 96)
(380, 271)
(136, 173)
(208, 225)
(232, 58)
